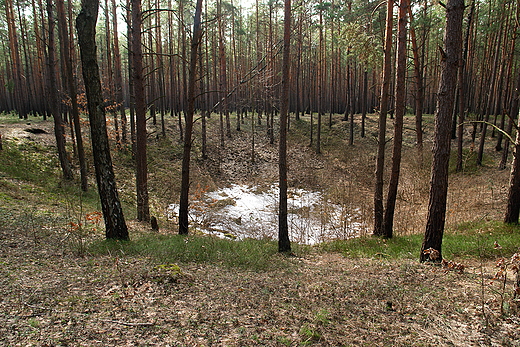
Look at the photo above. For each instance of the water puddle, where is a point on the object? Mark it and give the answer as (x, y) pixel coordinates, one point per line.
(241, 211)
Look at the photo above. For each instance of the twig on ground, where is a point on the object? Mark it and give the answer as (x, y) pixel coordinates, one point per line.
(129, 324)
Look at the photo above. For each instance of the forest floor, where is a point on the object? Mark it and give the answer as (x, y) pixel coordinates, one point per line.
(53, 295)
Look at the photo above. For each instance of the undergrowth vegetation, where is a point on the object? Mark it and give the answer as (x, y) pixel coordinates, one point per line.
(477, 240)
(257, 255)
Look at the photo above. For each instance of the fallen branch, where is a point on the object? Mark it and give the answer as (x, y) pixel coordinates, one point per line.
(128, 324)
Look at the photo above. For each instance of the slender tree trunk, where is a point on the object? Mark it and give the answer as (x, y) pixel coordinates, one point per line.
(118, 78)
(253, 131)
(112, 211)
(223, 70)
(204, 105)
(364, 102)
(419, 86)
(489, 108)
(59, 125)
(71, 87)
(109, 75)
(320, 83)
(185, 179)
(400, 109)
(299, 85)
(284, 244)
(131, 88)
(513, 114)
(27, 82)
(350, 100)
(160, 98)
(450, 60)
(461, 87)
(40, 60)
(16, 63)
(380, 161)
(507, 86)
(513, 197)
(143, 210)
(149, 63)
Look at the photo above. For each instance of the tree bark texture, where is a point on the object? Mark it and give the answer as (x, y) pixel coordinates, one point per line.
(143, 209)
(115, 224)
(513, 196)
(380, 161)
(400, 109)
(18, 89)
(118, 77)
(71, 87)
(59, 125)
(284, 244)
(461, 91)
(188, 128)
(419, 86)
(450, 57)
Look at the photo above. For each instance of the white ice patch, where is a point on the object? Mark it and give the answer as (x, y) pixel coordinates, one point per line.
(246, 211)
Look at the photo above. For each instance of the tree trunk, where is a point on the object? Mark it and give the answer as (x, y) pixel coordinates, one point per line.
(513, 114)
(185, 179)
(299, 84)
(223, 71)
(112, 211)
(118, 78)
(284, 244)
(461, 86)
(143, 210)
(71, 87)
(507, 86)
(400, 109)
(109, 75)
(320, 83)
(489, 107)
(513, 197)
(131, 89)
(54, 99)
(380, 161)
(419, 86)
(16, 63)
(364, 102)
(450, 58)
(204, 154)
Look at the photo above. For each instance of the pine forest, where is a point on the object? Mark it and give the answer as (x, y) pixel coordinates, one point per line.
(259, 173)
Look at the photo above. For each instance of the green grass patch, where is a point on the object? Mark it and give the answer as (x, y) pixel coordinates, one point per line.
(13, 118)
(469, 240)
(399, 247)
(34, 175)
(28, 161)
(469, 161)
(257, 255)
(477, 239)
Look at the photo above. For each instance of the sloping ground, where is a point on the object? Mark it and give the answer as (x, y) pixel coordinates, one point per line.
(50, 297)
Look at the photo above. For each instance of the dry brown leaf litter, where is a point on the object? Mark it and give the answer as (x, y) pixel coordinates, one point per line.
(52, 298)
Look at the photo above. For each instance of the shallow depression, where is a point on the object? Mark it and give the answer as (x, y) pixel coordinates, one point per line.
(241, 211)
